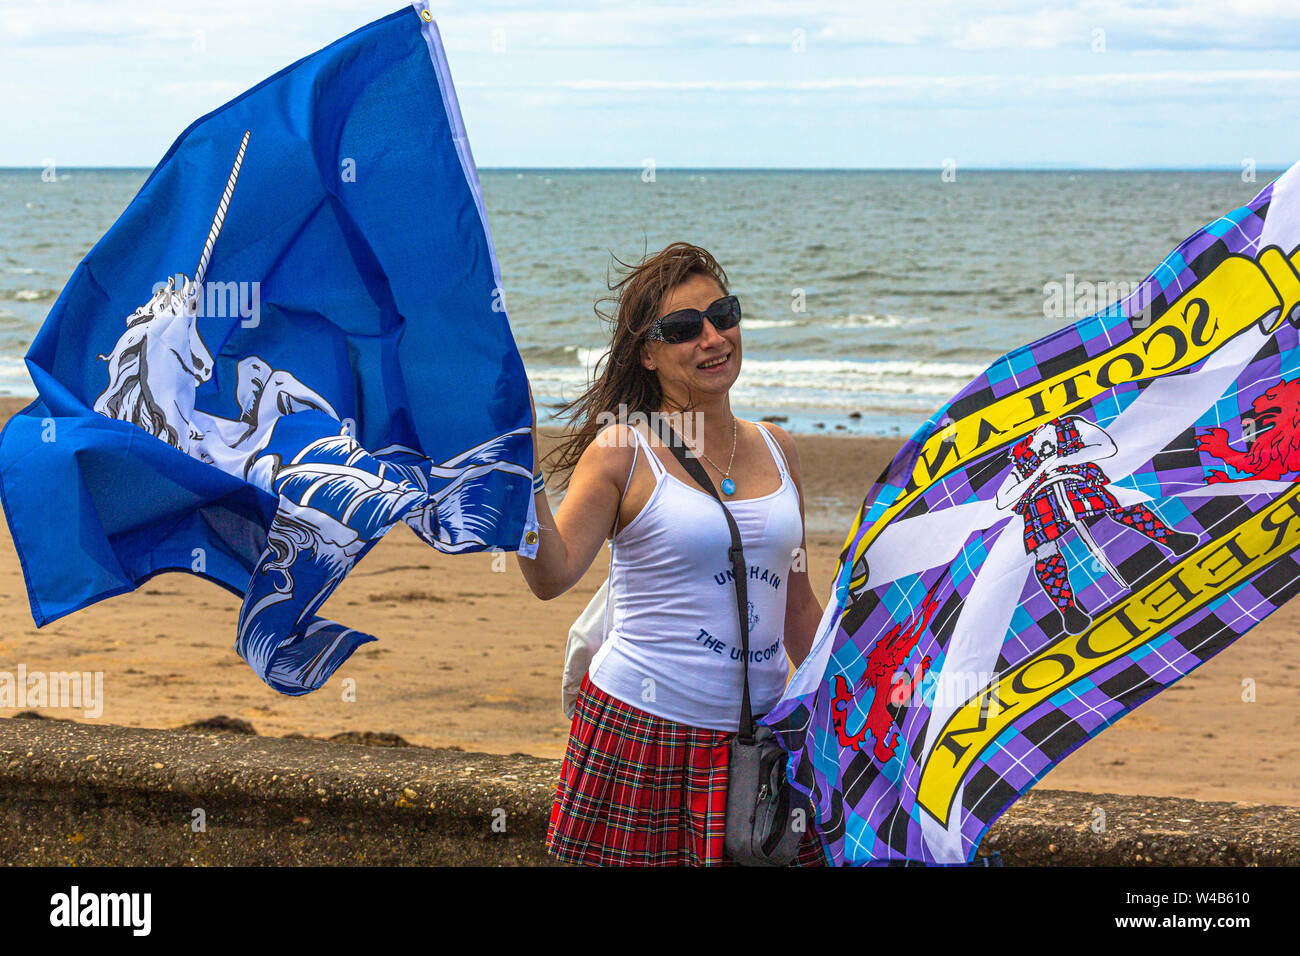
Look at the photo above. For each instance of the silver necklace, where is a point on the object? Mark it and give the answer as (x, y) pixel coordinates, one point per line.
(728, 486)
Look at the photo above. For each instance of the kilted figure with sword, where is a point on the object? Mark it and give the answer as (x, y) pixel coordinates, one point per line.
(1056, 485)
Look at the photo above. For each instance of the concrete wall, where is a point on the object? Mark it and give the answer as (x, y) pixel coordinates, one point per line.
(97, 794)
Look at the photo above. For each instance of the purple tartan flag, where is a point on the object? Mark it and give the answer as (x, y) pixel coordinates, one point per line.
(1095, 516)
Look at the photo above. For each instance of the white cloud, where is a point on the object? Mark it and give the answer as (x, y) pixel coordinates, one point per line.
(901, 89)
(115, 80)
(597, 24)
(957, 24)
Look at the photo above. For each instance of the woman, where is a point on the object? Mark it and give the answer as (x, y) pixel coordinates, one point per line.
(644, 778)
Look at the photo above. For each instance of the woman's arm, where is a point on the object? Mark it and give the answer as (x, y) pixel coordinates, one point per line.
(803, 612)
(570, 538)
(1096, 444)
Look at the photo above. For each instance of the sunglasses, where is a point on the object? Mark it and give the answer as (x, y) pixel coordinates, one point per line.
(684, 325)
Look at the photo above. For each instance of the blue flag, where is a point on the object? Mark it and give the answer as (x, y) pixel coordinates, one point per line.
(292, 339)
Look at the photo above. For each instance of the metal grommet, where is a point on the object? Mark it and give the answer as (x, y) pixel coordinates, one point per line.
(530, 537)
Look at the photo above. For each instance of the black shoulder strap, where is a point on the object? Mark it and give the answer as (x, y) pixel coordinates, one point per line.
(738, 568)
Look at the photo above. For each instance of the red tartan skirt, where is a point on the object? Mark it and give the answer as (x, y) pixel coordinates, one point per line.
(639, 790)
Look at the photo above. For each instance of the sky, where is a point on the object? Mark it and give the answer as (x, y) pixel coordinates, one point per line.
(723, 83)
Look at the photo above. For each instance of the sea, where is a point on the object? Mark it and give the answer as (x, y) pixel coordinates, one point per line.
(869, 297)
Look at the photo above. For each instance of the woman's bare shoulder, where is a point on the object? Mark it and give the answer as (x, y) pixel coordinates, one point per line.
(785, 440)
(610, 454)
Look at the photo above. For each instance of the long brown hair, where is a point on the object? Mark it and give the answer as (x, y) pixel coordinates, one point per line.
(622, 385)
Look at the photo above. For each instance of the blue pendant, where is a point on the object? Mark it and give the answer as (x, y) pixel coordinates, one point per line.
(728, 486)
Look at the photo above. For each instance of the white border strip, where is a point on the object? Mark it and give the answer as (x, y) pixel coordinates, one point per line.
(439, 56)
(433, 39)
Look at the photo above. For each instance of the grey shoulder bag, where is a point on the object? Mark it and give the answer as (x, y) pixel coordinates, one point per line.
(761, 807)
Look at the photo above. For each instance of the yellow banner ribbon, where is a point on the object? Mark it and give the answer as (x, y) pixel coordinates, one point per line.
(1208, 573)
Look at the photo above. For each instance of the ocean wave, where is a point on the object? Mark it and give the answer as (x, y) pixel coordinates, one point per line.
(808, 383)
(869, 321)
(587, 356)
(15, 379)
(29, 295)
(771, 323)
(886, 376)
(549, 354)
(860, 274)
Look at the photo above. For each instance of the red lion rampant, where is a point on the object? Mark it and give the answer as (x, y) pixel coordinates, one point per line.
(1272, 432)
(883, 661)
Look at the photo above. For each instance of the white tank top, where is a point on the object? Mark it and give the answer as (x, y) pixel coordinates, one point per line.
(673, 644)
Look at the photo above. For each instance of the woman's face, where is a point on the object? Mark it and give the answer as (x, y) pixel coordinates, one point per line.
(707, 364)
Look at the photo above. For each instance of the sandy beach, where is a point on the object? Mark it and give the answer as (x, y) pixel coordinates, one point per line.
(467, 657)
